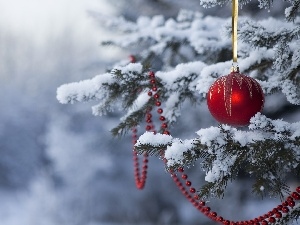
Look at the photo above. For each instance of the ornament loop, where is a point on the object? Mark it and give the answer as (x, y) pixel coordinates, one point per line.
(235, 68)
(235, 12)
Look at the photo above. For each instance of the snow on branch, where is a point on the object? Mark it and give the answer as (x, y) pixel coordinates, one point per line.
(222, 151)
(83, 91)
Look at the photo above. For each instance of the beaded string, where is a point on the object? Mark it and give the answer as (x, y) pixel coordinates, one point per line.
(184, 184)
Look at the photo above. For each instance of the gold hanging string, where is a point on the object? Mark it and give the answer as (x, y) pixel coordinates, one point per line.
(235, 12)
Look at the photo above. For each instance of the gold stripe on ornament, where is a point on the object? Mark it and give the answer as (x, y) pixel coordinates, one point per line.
(235, 12)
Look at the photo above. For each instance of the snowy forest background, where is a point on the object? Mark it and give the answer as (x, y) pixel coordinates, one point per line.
(59, 164)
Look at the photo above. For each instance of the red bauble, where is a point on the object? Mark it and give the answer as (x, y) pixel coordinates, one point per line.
(233, 99)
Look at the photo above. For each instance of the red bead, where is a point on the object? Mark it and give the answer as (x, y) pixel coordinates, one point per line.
(151, 74)
(279, 207)
(166, 132)
(196, 197)
(148, 127)
(285, 209)
(158, 103)
(298, 189)
(234, 99)
(192, 190)
(149, 121)
(270, 213)
(164, 125)
(181, 169)
(188, 183)
(152, 81)
(132, 59)
(160, 110)
(184, 176)
(296, 196)
(289, 199)
(154, 88)
(275, 210)
(202, 203)
(140, 186)
(220, 218)
(278, 215)
(148, 115)
(156, 96)
(285, 203)
(291, 203)
(272, 220)
(264, 222)
(226, 222)
(213, 214)
(162, 118)
(206, 209)
(150, 93)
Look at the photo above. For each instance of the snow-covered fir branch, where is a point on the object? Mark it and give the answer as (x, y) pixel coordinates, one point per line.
(222, 151)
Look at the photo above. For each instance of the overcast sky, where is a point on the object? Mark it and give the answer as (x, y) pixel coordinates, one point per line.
(43, 17)
(40, 38)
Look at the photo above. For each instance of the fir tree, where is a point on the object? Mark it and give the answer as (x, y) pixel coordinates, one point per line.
(188, 54)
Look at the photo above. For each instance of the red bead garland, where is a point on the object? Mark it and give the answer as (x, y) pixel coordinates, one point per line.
(185, 186)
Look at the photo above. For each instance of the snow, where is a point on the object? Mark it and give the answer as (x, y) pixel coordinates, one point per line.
(129, 68)
(245, 138)
(85, 90)
(154, 139)
(175, 153)
(288, 11)
(211, 136)
(220, 168)
(209, 3)
(170, 104)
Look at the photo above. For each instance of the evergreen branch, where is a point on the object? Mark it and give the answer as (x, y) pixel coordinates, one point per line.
(224, 151)
(291, 12)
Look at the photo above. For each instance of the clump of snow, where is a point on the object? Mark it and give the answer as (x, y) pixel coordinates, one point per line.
(131, 67)
(244, 137)
(175, 153)
(154, 139)
(157, 21)
(288, 11)
(211, 136)
(258, 121)
(209, 3)
(290, 90)
(170, 105)
(85, 90)
(220, 168)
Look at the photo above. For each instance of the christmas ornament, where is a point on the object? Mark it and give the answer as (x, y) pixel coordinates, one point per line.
(235, 98)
